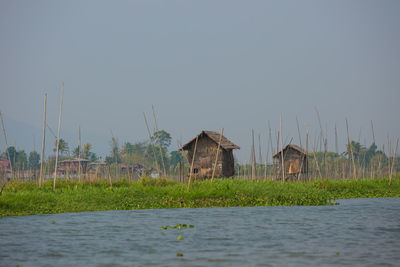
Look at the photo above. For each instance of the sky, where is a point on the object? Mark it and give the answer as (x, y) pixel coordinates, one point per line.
(204, 65)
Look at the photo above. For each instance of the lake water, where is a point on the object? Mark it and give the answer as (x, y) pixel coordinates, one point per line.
(358, 232)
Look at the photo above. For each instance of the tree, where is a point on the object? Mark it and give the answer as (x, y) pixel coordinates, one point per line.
(21, 160)
(163, 138)
(356, 148)
(12, 152)
(75, 152)
(18, 159)
(128, 149)
(62, 147)
(34, 160)
(115, 156)
(175, 158)
(87, 154)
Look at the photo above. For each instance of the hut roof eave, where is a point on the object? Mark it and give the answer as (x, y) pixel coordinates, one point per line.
(294, 147)
(225, 143)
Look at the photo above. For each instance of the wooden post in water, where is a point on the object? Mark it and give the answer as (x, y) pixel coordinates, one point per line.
(216, 156)
(58, 136)
(191, 165)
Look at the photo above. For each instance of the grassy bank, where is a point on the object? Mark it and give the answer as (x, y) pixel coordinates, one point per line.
(27, 198)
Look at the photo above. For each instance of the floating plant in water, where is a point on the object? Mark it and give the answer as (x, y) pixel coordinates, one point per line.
(178, 226)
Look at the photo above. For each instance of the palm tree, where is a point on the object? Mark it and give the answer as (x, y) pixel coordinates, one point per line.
(62, 147)
(356, 148)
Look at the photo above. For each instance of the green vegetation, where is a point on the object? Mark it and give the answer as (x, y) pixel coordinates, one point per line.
(25, 198)
(178, 226)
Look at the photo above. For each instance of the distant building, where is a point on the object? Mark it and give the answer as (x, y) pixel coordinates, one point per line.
(5, 168)
(71, 166)
(294, 160)
(206, 150)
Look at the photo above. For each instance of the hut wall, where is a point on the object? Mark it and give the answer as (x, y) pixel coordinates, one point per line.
(294, 162)
(228, 163)
(205, 158)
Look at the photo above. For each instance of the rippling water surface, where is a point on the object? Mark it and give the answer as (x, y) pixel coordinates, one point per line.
(358, 232)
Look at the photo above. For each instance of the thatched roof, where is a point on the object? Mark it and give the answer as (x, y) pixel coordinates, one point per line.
(225, 143)
(290, 146)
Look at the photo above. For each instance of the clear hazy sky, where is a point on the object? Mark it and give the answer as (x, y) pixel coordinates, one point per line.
(204, 65)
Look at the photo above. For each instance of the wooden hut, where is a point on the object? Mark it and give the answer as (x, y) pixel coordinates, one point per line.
(206, 151)
(294, 160)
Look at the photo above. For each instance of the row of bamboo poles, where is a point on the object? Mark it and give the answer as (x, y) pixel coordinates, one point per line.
(269, 169)
(339, 167)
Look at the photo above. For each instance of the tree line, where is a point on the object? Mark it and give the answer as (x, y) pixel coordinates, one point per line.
(142, 152)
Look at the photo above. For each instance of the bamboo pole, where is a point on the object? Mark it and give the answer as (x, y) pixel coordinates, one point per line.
(351, 150)
(58, 136)
(52, 132)
(321, 131)
(373, 138)
(151, 143)
(43, 140)
(216, 156)
(159, 141)
(394, 159)
(307, 136)
(253, 158)
(298, 130)
(316, 160)
(373, 133)
(271, 147)
(389, 148)
(337, 152)
(325, 152)
(282, 158)
(109, 176)
(79, 152)
(277, 151)
(5, 140)
(266, 158)
(259, 156)
(191, 165)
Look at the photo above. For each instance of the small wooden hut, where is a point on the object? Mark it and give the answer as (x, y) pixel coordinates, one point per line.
(294, 160)
(206, 151)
